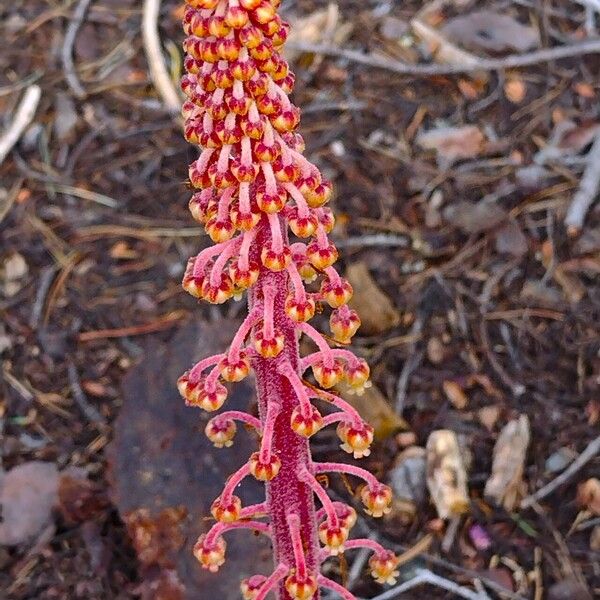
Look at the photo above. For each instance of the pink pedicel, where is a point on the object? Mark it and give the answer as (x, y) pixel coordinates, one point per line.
(255, 190)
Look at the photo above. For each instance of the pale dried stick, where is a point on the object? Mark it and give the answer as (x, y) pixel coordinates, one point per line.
(426, 576)
(23, 117)
(512, 61)
(67, 49)
(592, 449)
(587, 192)
(156, 64)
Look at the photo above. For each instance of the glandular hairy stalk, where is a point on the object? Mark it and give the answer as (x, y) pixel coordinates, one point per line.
(256, 190)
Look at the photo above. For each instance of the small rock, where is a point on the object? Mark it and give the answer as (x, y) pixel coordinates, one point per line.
(27, 495)
(560, 459)
(407, 477)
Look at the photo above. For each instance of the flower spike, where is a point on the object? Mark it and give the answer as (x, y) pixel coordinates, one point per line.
(263, 205)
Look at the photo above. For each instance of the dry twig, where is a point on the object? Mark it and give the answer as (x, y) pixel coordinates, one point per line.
(156, 64)
(588, 190)
(512, 61)
(23, 116)
(592, 449)
(67, 49)
(426, 576)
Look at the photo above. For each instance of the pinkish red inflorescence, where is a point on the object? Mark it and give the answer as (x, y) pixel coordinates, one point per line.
(255, 190)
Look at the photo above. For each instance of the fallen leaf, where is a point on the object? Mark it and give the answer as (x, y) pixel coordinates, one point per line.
(492, 31)
(452, 143)
(28, 492)
(13, 272)
(588, 495)
(515, 90)
(505, 484)
(455, 394)
(375, 409)
(488, 416)
(375, 309)
(446, 474)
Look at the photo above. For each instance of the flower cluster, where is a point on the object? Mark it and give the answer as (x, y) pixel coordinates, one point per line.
(256, 192)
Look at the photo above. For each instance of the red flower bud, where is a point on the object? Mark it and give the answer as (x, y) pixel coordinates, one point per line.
(264, 471)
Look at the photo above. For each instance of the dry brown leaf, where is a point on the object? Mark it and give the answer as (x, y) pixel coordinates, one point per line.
(488, 416)
(446, 474)
(455, 394)
(505, 484)
(489, 30)
(375, 409)
(452, 143)
(588, 495)
(375, 309)
(515, 90)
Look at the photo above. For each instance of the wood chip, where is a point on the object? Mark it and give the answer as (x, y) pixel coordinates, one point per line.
(446, 474)
(505, 484)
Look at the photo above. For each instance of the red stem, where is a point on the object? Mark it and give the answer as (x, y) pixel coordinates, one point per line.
(286, 494)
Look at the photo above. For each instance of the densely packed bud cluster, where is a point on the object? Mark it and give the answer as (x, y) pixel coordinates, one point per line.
(255, 191)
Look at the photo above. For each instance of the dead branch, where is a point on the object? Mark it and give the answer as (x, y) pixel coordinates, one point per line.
(426, 576)
(512, 61)
(587, 192)
(592, 449)
(156, 64)
(23, 117)
(67, 49)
